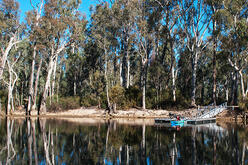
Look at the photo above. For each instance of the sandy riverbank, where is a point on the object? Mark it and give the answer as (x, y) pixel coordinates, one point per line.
(94, 113)
(100, 113)
(93, 116)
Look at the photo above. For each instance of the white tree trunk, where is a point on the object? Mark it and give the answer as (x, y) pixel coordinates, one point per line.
(227, 94)
(105, 74)
(52, 61)
(131, 80)
(5, 53)
(36, 85)
(47, 84)
(58, 85)
(246, 92)
(174, 75)
(242, 84)
(31, 82)
(143, 82)
(143, 85)
(74, 87)
(143, 96)
(128, 71)
(54, 75)
(194, 69)
(121, 80)
(10, 97)
(11, 85)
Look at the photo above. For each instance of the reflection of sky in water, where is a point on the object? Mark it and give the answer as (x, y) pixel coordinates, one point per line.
(107, 162)
(148, 162)
(118, 160)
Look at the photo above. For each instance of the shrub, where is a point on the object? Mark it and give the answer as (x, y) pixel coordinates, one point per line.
(117, 95)
(64, 103)
(133, 97)
(88, 101)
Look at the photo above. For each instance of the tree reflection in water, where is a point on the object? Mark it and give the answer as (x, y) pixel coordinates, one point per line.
(46, 141)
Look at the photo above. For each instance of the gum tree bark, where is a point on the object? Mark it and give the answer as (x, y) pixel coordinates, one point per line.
(105, 74)
(36, 85)
(125, 60)
(11, 84)
(31, 81)
(214, 63)
(174, 76)
(12, 42)
(54, 75)
(52, 62)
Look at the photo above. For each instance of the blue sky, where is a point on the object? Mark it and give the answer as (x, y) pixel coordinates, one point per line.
(84, 8)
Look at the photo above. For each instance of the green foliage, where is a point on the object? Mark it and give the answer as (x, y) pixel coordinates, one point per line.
(64, 103)
(133, 96)
(166, 101)
(117, 95)
(89, 101)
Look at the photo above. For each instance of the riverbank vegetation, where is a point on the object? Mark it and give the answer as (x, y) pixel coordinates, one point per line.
(152, 54)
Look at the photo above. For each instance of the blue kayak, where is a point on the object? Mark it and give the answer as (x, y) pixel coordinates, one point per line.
(177, 123)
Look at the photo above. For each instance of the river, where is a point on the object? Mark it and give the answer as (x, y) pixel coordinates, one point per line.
(54, 141)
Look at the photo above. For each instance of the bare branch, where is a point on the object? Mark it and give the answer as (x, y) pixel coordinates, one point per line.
(41, 7)
(5, 82)
(233, 65)
(32, 5)
(160, 3)
(205, 45)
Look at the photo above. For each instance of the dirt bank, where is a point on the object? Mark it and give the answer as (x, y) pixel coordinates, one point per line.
(94, 112)
(225, 116)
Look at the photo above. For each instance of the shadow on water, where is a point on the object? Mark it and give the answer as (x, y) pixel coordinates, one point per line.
(50, 141)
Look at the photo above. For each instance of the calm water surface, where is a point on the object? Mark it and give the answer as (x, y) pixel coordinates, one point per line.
(47, 141)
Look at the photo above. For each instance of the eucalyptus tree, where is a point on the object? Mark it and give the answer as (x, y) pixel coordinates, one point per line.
(123, 22)
(184, 73)
(102, 35)
(33, 19)
(145, 43)
(234, 42)
(215, 8)
(11, 35)
(9, 30)
(60, 28)
(194, 23)
(169, 14)
(11, 77)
